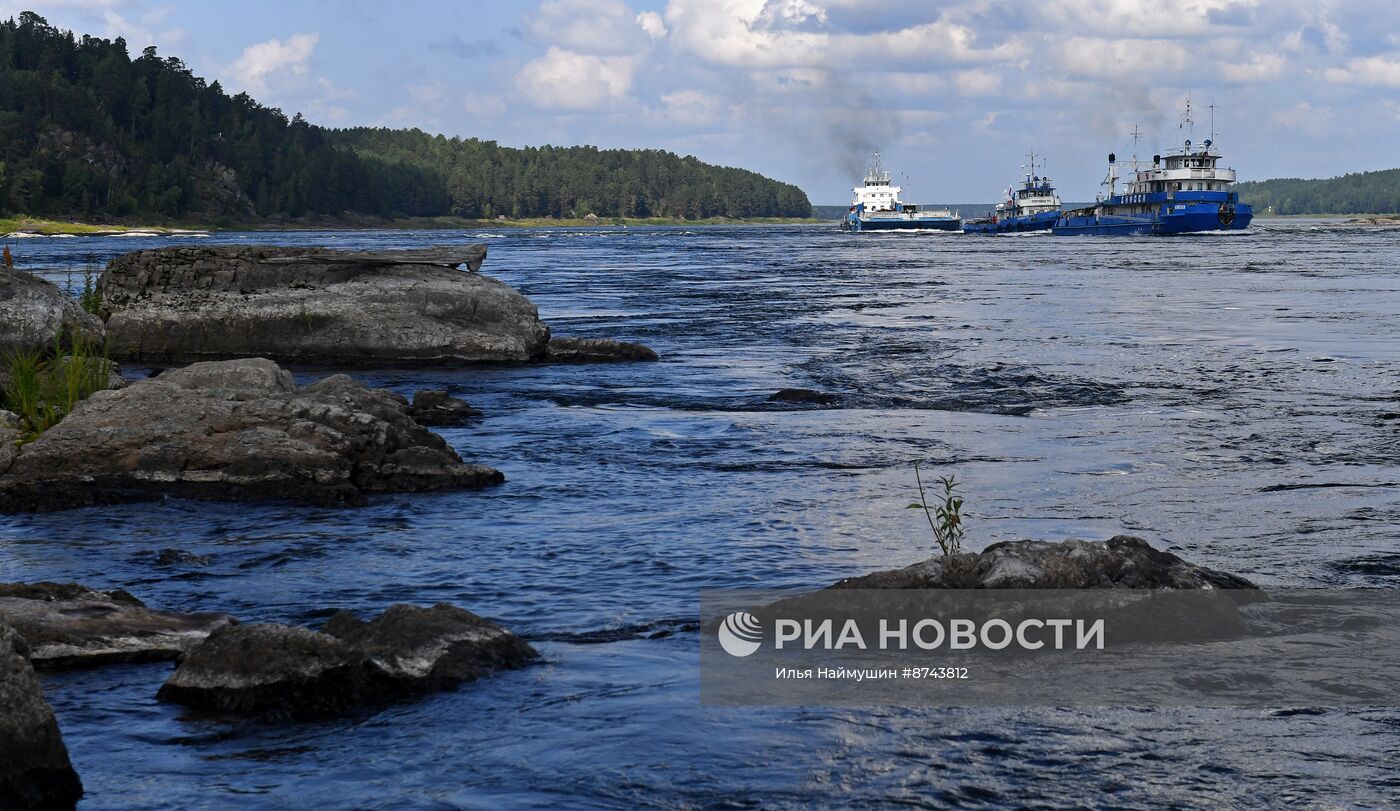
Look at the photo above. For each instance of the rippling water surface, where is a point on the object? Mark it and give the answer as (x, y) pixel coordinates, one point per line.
(1235, 399)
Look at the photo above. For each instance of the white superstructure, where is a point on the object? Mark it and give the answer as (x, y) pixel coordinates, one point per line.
(876, 193)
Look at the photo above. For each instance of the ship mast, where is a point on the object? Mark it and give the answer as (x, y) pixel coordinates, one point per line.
(1187, 123)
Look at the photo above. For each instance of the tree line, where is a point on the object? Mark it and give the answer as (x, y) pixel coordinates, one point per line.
(87, 131)
(484, 180)
(1358, 193)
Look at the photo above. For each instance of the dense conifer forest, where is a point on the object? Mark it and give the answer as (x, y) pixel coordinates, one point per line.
(87, 131)
(1359, 193)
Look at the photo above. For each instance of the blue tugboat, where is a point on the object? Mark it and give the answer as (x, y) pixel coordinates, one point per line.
(876, 207)
(1187, 192)
(1033, 207)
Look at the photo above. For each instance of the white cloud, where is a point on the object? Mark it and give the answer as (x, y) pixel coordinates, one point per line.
(273, 58)
(330, 102)
(759, 34)
(977, 82)
(144, 31)
(1259, 67)
(566, 80)
(652, 24)
(1314, 122)
(1091, 57)
(1372, 71)
(484, 105)
(693, 108)
(1134, 18)
(726, 32)
(598, 27)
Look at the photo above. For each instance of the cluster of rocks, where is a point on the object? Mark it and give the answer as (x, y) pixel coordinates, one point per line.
(234, 425)
(225, 666)
(234, 430)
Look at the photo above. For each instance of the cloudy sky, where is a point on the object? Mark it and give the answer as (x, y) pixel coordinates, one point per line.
(953, 93)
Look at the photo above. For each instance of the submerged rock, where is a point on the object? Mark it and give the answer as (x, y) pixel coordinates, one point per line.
(68, 625)
(432, 407)
(298, 673)
(312, 305)
(802, 396)
(35, 772)
(1121, 562)
(34, 313)
(179, 557)
(234, 430)
(596, 350)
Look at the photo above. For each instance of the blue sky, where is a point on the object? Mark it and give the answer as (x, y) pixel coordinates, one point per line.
(953, 93)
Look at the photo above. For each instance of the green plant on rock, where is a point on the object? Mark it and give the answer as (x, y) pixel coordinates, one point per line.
(42, 388)
(945, 516)
(90, 299)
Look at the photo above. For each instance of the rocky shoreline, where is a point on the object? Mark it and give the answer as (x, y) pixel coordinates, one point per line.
(281, 672)
(233, 425)
(270, 671)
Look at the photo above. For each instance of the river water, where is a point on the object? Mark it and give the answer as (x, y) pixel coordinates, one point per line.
(1235, 399)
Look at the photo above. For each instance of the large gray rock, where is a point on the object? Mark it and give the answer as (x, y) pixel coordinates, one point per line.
(35, 772)
(274, 669)
(1121, 562)
(35, 312)
(297, 673)
(311, 305)
(68, 625)
(432, 648)
(234, 430)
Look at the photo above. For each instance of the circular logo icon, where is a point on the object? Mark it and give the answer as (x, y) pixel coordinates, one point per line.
(740, 634)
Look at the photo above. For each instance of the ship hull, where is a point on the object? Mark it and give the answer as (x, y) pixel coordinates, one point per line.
(1180, 216)
(855, 223)
(1041, 221)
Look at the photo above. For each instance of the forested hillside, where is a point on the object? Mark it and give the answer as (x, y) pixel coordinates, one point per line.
(484, 179)
(87, 131)
(1360, 193)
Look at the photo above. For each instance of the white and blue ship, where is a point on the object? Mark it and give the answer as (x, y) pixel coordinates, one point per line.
(876, 206)
(1033, 207)
(1182, 193)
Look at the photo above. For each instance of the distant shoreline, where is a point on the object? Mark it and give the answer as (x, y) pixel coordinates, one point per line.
(42, 227)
